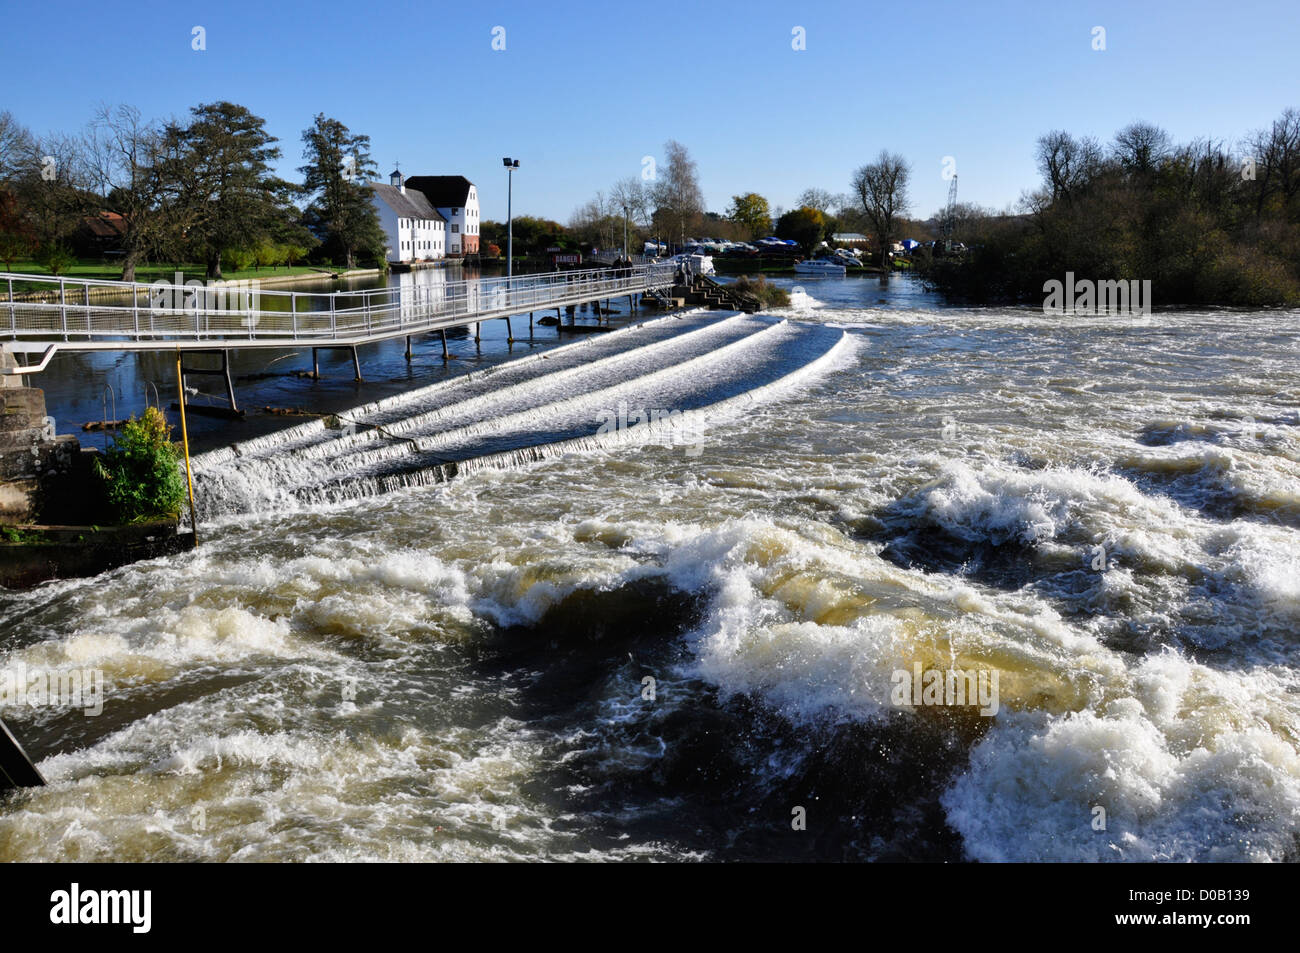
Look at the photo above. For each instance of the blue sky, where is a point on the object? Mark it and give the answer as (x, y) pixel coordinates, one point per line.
(583, 90)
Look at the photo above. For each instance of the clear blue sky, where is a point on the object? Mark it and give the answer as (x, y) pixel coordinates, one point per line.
(584, 90)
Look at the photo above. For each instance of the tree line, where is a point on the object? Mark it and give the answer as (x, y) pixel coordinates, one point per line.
(1205, 222)
(197, 189)
(668, 205)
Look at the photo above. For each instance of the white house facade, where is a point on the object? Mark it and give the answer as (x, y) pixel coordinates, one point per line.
(456, 199)
(414, 229)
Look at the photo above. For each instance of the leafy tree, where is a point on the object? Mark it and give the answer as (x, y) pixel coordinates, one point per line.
(751, 212)
(335, 177)
(219, 167)
(803, 225)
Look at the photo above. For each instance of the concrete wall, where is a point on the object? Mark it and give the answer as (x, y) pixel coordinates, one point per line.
(32, 457)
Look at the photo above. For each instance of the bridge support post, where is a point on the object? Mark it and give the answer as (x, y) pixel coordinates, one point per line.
(230, 384)
(510, 334)
(356, 363)
(445, 355)
(476, 324)
(223, 371)
(408, 348)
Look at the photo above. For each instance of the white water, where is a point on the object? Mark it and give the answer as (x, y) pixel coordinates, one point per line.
(930, 489)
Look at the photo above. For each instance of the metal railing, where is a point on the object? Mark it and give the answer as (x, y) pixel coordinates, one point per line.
(609, 257)
(59, 313)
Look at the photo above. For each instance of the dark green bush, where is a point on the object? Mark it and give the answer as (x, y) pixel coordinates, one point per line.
(140, 474)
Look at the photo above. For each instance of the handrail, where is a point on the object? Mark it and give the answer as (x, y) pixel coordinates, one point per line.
(175, 315)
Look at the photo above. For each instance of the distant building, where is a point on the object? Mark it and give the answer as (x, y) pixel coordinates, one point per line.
(99, 235)
(456, 199)
(415, 230)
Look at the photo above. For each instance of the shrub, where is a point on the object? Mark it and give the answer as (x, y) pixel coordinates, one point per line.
(140, 474)
(767, 295)
(236, 259)
(55, 259)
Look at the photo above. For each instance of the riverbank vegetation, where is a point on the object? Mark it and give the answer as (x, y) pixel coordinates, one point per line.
(139, 475)
(127, 194)
(757, 287)
(1205, 223)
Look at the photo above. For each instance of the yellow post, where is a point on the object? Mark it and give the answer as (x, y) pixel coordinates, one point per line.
(185, 442)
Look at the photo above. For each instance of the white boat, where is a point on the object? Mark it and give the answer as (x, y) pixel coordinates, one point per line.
(700, 264)
(819, 266)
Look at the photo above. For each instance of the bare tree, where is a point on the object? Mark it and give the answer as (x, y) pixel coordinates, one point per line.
(881, 190)
(1067, 164)
(679, 202)
(50, 180)
(631, 195)
(820, 199)
(15, 146)
(1141, 147)
(122, 161)
(1277, 160)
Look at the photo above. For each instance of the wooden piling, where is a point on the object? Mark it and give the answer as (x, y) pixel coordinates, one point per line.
(16, 769)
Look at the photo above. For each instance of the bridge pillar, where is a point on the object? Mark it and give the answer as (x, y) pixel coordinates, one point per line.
(222, 371)
(510, 334)
(356, 364)
(408, 348)
(445, 355)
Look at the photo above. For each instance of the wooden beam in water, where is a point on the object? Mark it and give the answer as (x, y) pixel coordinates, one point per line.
(16, 769)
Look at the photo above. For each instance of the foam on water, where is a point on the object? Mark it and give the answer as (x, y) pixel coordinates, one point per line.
(830, 534)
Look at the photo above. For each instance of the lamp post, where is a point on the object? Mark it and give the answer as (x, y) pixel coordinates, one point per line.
(511, 165)
(625, 255)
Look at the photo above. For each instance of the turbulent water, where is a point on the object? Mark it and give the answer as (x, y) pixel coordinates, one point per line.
(478, 620)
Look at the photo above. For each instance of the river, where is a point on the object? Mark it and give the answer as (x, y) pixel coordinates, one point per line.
(687, 647)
